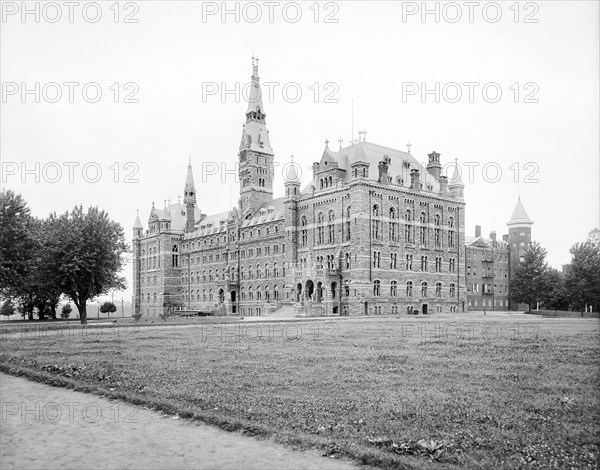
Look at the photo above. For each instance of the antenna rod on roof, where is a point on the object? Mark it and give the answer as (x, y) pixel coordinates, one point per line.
(352, 135)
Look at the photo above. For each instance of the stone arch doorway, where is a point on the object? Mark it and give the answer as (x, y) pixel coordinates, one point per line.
(333, 290)
(299, 292)
(233, 301)
(309, 288)
(221, 296)
(319, 292)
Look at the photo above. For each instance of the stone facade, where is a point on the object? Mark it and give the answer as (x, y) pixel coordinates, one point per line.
(373, 233)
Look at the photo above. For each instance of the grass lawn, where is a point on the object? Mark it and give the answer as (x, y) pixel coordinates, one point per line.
(465, 391)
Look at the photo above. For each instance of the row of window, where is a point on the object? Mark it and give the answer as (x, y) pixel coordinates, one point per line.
(409, 262)
(410, 287)
(259, 272)
(497, 272)
(487, 288)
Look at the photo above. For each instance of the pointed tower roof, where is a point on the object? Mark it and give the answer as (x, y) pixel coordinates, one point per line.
(137, 225)
(189, 177)
(519, 216)
(153, 215)
(456, 180)
(255, 97)
(358, 154)
(291, 173)
(189, 192)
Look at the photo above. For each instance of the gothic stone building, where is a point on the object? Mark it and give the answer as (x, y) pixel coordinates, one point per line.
(373, 232)
(491, 263)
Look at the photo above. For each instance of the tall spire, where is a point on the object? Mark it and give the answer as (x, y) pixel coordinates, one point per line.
(256, 168)
(189, 192)
(256, 110)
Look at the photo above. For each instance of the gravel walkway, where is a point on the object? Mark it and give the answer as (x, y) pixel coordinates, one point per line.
(44, 427)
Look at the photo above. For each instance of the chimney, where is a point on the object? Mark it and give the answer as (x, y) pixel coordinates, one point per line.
(477, 231)
(383, 171)
(434, 167)
(414, 179)
(493, 236)
(444, 185)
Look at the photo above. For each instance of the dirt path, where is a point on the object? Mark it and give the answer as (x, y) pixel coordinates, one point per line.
(44, 427)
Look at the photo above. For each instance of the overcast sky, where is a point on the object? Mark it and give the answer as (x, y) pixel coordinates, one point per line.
(539, 137)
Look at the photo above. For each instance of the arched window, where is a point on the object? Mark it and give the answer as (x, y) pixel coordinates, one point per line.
(275, 270)
(452, 290)
(348, 232)
(376, 288)
(330, 227)
(303, 231)
(438, 289)
(393, 229)
(204, 295)
(423, 289)
(408, 230)
(409, 289)
(320, 228)
(394, 289)
(266, 271)
(258, 271)
(375, 222)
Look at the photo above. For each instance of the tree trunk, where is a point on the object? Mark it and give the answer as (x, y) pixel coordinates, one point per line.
(82, 312)
(53, 311)
(30, 314)
(529, 308)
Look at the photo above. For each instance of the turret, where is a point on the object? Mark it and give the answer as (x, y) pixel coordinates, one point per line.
(165, 219)
(292, 181)
(137, 226)
(519, 238)
(153, 220)
(359, 164)
(456, 185)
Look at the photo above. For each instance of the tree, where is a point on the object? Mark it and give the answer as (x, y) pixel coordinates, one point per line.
(7, 309)
(530, 281)
(66, 311)
(15, 243)
(85, 251)
(582, 274)
(108, 307)
(555, 297)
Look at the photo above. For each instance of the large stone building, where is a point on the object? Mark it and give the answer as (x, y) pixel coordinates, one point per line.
(373, 232)
(491, 263)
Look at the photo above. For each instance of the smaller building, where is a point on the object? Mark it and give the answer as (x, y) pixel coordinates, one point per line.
(487, 276)
(490, 263)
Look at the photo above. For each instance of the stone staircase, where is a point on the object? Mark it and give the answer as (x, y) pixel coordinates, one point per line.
(285, 311)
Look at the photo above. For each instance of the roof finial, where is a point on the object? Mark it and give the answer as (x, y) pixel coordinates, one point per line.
(189, 160)
(408, 146)
(327, 144)
(179, 199)
(292, 157)
(340, 141)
